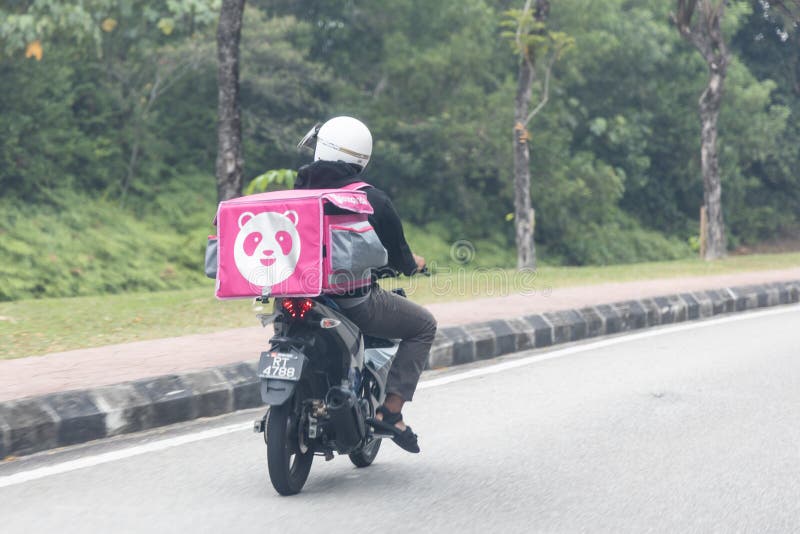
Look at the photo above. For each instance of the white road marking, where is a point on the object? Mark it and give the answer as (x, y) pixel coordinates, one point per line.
(624, 338)
(106, 457)
(155, 446)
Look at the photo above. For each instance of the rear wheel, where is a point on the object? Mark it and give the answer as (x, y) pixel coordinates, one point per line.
(288, 456)
(366, 456)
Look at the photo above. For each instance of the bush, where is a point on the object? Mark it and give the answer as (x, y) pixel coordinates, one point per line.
(431, 241)
(620, 241)
(86, 247)
(77, 246)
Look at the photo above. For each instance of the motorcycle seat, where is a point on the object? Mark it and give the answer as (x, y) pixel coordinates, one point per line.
(372, 342)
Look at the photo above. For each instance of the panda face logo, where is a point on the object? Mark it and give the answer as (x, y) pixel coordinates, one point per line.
(267, 247)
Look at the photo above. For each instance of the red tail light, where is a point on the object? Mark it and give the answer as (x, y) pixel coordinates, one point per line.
(297, 308)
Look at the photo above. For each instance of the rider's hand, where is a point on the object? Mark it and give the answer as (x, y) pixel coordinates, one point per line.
(420, 262)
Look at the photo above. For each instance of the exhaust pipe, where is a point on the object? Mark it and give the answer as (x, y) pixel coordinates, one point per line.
(346, 418)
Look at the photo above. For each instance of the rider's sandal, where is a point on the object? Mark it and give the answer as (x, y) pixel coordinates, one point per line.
(406, 439)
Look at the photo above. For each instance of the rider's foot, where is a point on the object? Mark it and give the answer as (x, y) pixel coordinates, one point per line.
(400, 424)
(393, 422)
(392, 405)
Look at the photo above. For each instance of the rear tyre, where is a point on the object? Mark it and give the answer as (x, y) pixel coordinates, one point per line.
(366, 456)
(287, 463)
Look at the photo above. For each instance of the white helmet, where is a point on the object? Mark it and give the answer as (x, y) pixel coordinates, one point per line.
(341, 139)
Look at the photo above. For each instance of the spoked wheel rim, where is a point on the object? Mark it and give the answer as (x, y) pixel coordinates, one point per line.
(297, 449)
(366, 455)
(370, 450)
(370, 447)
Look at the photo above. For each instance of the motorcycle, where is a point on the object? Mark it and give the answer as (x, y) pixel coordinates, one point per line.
(322, 379)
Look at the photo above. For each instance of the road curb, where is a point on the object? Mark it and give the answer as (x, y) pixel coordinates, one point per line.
(34, 424)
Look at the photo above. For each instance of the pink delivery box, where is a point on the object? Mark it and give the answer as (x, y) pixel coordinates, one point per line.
(281, 244)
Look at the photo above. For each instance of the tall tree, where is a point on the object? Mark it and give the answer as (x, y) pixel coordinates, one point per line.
(229, 128)
(699, 23)
(537, 49)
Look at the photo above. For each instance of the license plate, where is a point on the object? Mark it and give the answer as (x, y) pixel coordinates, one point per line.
(282, 366)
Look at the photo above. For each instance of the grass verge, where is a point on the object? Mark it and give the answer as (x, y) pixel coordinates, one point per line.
(31, 327)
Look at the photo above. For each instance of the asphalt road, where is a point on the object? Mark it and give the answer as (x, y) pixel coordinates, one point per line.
(688, 429)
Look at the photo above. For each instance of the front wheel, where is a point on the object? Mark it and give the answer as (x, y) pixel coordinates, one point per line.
(288, 458)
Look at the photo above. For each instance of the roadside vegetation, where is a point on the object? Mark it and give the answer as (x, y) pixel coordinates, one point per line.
(108, 146)
(39, 326)
(108, 128)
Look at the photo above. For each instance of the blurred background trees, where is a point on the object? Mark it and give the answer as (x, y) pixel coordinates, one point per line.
(111, 118)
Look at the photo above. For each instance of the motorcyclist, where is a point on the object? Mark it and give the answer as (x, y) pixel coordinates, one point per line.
(342, 149)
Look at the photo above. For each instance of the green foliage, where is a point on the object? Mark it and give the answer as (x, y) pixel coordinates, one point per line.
(112, 77)
(272, 180)
(694, 243)
(85, 246)
(27, 21)
(118, 115)
(617, 241)
(283, 90)
(36, 159)
(529, 36)
(81, 246)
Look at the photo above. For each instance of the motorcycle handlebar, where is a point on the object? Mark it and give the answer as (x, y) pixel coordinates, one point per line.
(390, 272)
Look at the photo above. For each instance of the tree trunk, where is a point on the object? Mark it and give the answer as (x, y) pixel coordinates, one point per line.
(229, 125)
(523, 214)
(710, 103)
(700, 23)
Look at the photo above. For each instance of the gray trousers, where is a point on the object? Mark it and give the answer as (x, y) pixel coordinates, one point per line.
(384, 314)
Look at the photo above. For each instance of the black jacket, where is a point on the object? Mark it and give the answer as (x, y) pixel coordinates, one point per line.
(385, 220)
